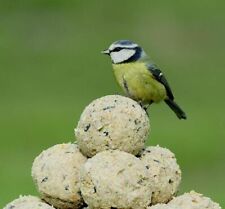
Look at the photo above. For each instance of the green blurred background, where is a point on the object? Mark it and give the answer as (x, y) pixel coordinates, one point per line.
(51, 68)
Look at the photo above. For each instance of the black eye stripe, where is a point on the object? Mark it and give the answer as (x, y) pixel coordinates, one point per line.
(117, 49)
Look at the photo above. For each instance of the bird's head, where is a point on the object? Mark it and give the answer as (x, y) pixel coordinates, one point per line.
(124, 51)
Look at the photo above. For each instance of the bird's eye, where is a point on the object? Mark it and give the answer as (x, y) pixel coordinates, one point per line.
(117, 49)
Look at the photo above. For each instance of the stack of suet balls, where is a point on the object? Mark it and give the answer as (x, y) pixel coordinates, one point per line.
(109, 165)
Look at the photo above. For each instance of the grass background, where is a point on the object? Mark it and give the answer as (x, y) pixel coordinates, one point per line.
(51, 68)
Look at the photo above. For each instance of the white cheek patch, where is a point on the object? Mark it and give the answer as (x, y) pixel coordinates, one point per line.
(122, 55)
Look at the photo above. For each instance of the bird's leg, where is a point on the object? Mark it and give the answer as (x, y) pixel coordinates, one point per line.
(145, 106)
(120, 94)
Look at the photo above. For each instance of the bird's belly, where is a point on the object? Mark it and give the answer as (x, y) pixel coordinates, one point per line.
(138, 83)
(145, 90)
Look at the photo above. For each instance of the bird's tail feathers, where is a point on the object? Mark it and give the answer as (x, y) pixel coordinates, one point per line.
(177, 110)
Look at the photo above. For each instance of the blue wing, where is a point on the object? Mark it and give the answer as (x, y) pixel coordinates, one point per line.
(158, 75)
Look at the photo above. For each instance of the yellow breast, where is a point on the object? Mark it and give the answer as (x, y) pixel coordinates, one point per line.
(138, 83)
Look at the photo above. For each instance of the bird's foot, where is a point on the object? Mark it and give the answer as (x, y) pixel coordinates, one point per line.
(145, 107)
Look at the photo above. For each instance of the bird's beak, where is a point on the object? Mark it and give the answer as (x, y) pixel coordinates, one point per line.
(106, 52)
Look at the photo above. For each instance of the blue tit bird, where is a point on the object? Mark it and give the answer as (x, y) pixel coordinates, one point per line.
(140, 78)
